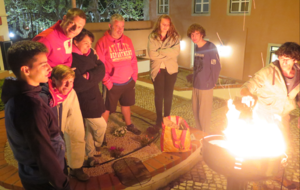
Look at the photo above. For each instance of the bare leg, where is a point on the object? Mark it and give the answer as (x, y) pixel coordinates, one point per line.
(105, 115)
(126, 114)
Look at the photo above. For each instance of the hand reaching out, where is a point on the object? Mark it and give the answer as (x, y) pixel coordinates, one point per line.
(248, 100)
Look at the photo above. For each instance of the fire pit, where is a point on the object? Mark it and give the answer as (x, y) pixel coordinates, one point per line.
(258, 160)
(238, 170)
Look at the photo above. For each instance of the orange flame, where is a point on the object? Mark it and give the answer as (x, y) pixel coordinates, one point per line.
(255, 139)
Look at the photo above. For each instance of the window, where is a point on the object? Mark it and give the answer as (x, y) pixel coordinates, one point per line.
(271, 56)
(163, 6)
(201, 6)
(239, 6)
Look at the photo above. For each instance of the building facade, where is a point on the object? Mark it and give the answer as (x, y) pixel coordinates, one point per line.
(252, 29)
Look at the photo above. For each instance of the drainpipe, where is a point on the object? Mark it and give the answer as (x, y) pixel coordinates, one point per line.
(146, 9)
(73, 3)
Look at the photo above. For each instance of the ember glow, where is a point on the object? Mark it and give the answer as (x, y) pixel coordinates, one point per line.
(255, 139)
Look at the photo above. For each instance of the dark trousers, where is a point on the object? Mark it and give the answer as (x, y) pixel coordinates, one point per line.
(43, 186)
(163, 89)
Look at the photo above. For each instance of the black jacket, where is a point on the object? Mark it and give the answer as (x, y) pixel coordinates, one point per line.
(89, 95)
(33, 135)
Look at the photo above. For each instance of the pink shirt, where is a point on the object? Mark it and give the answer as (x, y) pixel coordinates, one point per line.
(119, 59)
(58, 44)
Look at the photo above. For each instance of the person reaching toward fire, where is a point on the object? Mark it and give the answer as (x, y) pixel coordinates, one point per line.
(275, 88)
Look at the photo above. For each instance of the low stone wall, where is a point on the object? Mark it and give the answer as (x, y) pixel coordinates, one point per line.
(4, 74)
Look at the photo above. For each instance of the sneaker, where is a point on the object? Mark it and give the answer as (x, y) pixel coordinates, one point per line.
(152, 130)
(133, 129)
(92, 161)
(97, 153)
(158, 126)
(79, 174)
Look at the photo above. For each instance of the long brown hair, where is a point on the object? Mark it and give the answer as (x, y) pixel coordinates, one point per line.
(172, 32)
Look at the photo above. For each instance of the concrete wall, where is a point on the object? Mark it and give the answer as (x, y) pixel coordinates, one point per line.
(3, 29)
(137, 31)
(272, 21)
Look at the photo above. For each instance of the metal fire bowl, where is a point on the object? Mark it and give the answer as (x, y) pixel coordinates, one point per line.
(221, 161)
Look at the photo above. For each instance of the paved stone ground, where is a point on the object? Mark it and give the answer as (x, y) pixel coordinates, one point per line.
(201, 176)
(182, 83)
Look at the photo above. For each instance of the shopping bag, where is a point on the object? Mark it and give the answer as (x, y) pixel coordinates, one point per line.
(175, 136)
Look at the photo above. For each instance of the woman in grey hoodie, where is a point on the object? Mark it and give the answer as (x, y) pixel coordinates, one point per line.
(163, 48)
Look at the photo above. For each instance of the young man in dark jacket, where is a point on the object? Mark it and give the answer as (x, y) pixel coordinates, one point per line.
(206, 73)
(31, 127)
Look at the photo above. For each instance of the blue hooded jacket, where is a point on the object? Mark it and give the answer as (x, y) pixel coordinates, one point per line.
(33, 135)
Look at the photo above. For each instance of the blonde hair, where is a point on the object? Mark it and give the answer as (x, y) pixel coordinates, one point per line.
(115, 17)
(60, 72)
(172, 32)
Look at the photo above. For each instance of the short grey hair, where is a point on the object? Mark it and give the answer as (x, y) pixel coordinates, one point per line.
(115, 17)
